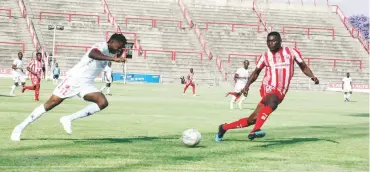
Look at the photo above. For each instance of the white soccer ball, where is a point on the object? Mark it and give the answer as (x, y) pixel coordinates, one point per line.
(191, 137)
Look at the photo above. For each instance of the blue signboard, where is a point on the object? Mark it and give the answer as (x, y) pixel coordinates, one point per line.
(137, 77)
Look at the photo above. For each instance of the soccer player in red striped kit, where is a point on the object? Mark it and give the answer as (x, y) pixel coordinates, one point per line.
(35, 71)
(279, 70)
(190, 82)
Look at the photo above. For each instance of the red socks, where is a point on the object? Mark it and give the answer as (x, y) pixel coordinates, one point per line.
(241, 123)
(37, 92)
(262, 117)
(29, 87)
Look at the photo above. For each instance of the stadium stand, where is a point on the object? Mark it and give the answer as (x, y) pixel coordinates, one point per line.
(161, 26)
(245, 42)
(14, 36)
(230, 32)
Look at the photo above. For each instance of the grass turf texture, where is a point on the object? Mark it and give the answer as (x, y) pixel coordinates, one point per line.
(140, 131)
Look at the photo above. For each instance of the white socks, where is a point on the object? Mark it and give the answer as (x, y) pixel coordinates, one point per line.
(345, 96)
(348, 95)
(232, 102)
(88, 110)
(108, 90)
(12, 90)
(37, 113)
(102, 88)
(242, 98)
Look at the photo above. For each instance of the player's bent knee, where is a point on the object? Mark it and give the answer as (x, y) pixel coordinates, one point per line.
(102, 104)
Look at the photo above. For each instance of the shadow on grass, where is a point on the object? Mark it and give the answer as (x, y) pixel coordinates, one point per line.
(110, 140)
(360, 115)
(4, 95)
(278, 142)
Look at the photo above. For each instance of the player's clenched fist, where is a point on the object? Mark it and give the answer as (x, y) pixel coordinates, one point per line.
(120, 59)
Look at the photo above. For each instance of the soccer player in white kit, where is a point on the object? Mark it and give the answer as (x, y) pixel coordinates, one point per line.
(18, 75)
(241, 78)
(347, 87)
(80, 81)
(108, 78)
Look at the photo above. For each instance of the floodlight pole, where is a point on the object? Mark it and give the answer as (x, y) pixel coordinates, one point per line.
(55, 28)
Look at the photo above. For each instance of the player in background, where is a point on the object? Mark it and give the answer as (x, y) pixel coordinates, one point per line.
(18, 74)
(190, 82)
(240, 77)
(56, 73)
(347, 87)
(108, 78)
(279, 69)
(80, 81)
(35, 71)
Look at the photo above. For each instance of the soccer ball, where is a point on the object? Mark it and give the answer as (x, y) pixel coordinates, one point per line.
(191, 137)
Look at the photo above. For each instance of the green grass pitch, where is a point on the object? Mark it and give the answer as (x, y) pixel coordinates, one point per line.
(140, 131)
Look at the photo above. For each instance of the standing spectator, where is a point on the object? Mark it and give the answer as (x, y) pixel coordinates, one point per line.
(56, 73)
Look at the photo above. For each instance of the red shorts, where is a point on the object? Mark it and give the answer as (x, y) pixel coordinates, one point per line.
(190, 83)
(35, 81)
(266, 90)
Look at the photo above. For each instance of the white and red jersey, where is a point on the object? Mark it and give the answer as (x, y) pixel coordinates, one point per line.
(36, 67)
(279, 67)
(190, 77)
(243, 75)
(88, 68)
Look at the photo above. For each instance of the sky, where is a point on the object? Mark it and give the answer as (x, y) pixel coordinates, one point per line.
(352, 7)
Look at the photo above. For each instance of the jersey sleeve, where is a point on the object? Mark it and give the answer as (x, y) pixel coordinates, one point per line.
(261, 62)
(100, 47)
(297, 55)
(343, 80)
(15, 62)
(106, 69)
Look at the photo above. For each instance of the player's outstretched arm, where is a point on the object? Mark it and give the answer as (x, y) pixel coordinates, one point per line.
(253, 77)
(307, 71)
(97, 55)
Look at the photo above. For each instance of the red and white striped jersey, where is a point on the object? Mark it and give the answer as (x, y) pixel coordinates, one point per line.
(279, 67)
(191, 76)
(36, 67)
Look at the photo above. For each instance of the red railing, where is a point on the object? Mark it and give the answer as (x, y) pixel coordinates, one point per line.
(185, 13)
(15, 43)
(174, 53)
(243, 55)
(233, 25)
(220, 68)
(70, 46)
(153, 20)
(293, 42)
(352, 30)
(308, 29)
(69, 15)
(111, 19)
(8, 10)
(259, 15)
(309, 59)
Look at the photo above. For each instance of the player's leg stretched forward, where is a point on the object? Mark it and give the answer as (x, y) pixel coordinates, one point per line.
(257, 118)
(99, 102)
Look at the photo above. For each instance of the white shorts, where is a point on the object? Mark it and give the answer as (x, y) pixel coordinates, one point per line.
(19, 77)
(71, 87)
(347, 89)
(239, 86)
(108, 81)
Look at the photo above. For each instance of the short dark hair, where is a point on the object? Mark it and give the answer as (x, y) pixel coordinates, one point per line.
(118, 37)
(38, 53)
(246, 61)
(274, 34)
